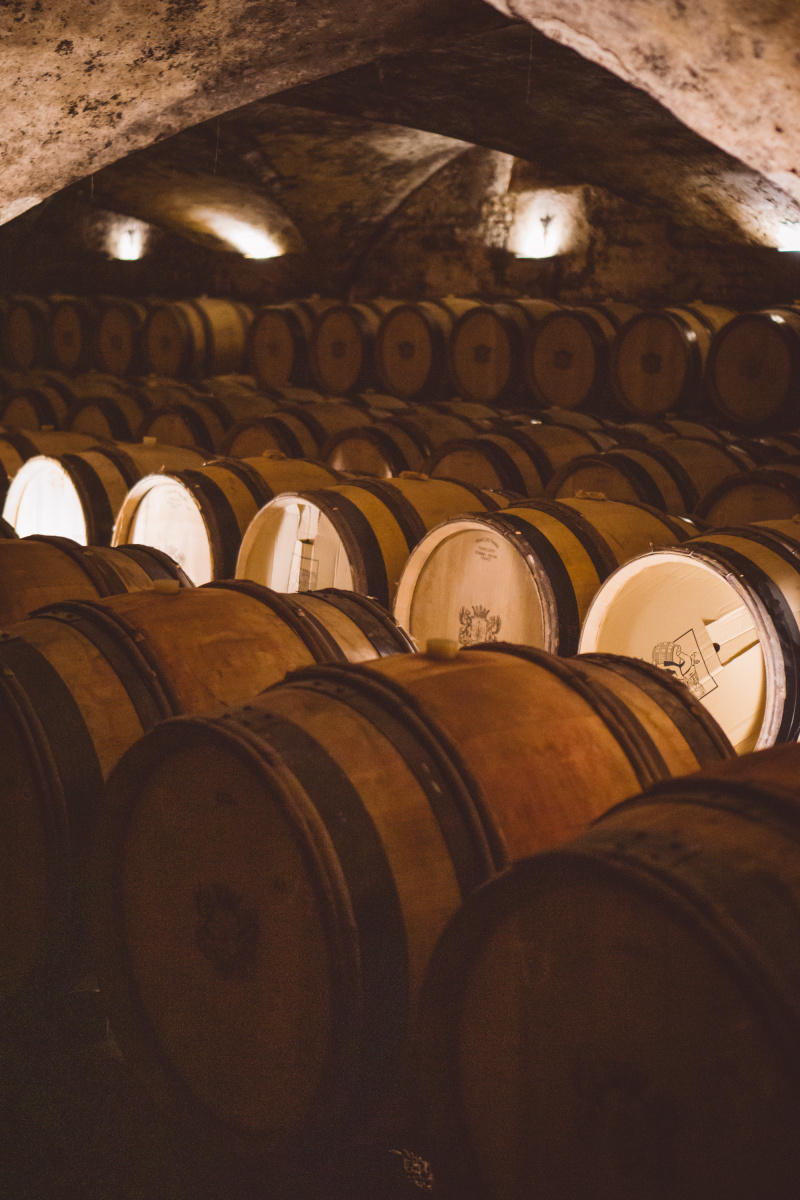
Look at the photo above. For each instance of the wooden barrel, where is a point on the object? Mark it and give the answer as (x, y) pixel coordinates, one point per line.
(80, 681)
(119, 344)
(673, 476)
(356, 535)
(343, 346)
(619, 1017)
(197, 422)
(402, 443)
(519, 460)
(526, 574)
(412, 347)
(298, 432)
(78, 495)
(195, 338)
(73, 333)
(117, 418)
(766, 494)
(369, 802)
(16, 448)
(378, 404)
(278, 345)
(720, 613)
(753, 371)
(161, 390)
(659, 359)
(568, 357)
(35, 571)
(487, 352)
(40, 406)
(664, 428)
(25, 333)
(199, 516)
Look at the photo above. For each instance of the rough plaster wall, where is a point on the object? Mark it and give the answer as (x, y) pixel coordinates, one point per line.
(729, 69)
(88, 81)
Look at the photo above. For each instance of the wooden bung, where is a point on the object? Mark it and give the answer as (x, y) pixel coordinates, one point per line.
(195, 338)
(330, 828)
(199, 515)
(619, 1017)
(43, 570)
(721, 614)
(120, 336)
(658, 360)
(80, 681)
(526, 574)
(78, 495)
(753, 371)
(357, 535)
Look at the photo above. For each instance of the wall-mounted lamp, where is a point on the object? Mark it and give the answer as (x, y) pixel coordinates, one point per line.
(545, 223)
(788, 236)
(250, 240)
(127, 238)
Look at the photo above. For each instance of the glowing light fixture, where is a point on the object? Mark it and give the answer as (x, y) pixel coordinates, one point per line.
(788, 236)
(249, 240)
(127, 239)
(545, 223)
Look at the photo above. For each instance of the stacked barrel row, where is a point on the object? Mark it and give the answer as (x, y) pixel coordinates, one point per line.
(522, 352)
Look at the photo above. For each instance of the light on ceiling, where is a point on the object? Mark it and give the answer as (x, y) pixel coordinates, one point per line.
(127, 239)
(250, 240)
(544, 225)
(788, 235)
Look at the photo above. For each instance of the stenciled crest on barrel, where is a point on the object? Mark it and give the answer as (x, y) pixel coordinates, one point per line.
(477, 626)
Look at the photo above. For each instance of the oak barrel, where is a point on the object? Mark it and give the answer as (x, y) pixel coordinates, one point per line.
(278, 345)
(526, 574)
(299, 431)
(620, 1017)
(720, 613)
(343, 346)
(198, 516)
(73, 333)
(357, 535)
(120, 337)
(401, 443)
(412, 347)
(487, 352)
(17, 447)
(767, 494)
(196, 338)
(300, 856)
(117, 417)
(25, 333)
(753, 370)
(35, 406)
(567, 357)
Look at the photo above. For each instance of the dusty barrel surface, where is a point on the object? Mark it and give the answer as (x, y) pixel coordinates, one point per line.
(519, 459)
(720, 613)
(199, 515)
(80, 682)
(369, 802)
(35, 571)
(659, 358)
(526, 574)
(79, 494)
(620, 1017)
(196, 338)
(754, 369)
(356, 536)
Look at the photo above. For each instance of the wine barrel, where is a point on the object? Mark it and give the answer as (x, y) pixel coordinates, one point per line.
(619, 1017)
(199, 516)
(520, 459)
(278, 345)
(720, 613)
(526, 574)
(80, 681)
(766, 494)
(73, 333)
(119, 344)
(298, 432)
(117, 417)
(568, 355)
(36, 407)
(369, 802)
(753, 371)
(25, 333)
(196, 338)
(78, 495)
(378, 404)
(388, 448)
(487, 352)
(16, 448)
(658, 361)
(356, 535)
(412, 347)
(665, 428)
(673, 476)
(35, 571)
(197, 422)
(342, 350)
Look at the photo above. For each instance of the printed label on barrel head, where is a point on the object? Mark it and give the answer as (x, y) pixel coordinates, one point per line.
(683, 658)
(486, 549)
(477, 626)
